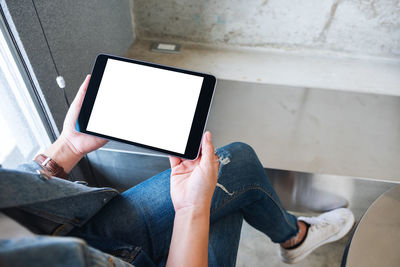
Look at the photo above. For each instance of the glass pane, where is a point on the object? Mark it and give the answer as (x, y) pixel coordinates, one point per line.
(22, 133)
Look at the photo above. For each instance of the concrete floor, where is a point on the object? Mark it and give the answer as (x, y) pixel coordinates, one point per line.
(256, 249)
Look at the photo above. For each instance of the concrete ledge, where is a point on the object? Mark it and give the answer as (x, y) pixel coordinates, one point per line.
(300, 111)
(311, 69)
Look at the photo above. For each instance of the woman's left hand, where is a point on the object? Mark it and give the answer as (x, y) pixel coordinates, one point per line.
(80, 143)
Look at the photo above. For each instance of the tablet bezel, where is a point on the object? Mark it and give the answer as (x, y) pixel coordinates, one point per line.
(199, 119)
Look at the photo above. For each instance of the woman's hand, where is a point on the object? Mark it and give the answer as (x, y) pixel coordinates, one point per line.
(192, 187)
(193, 182)
(80, 143)
(71, 145)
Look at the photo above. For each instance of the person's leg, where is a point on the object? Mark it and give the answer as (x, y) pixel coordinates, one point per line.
(224, 240)
(244, 186)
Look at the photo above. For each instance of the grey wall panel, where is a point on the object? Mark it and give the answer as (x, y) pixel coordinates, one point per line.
(310, 129)
(23, 22)
(123, 170)
(77, 31)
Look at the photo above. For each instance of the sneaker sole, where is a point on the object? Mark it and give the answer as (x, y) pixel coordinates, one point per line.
(333, 238)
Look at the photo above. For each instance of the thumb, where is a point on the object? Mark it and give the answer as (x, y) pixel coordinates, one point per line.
(73, 111)
(207, 149)
(174, 161)
(82, 92)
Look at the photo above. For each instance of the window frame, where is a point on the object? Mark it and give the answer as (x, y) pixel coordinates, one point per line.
(34, 93)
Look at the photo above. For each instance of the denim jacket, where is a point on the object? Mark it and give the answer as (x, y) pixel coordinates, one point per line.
(27, 191)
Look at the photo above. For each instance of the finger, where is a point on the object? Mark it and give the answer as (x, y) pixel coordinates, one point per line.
(207, 149)
(81, 92)
(73, 111)
(174, 161)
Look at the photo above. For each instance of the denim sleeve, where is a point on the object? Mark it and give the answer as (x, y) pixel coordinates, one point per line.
(54, 251)
(31, 166)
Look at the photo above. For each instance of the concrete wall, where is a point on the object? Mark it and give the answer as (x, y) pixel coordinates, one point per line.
(77, 31)
(358, 26)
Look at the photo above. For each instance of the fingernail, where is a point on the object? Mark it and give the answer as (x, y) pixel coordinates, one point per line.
(208, 136)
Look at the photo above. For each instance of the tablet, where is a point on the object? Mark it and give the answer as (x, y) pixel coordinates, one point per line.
(147, 105)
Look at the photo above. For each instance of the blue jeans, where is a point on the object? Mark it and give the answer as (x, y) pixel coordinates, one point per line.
(143, 216)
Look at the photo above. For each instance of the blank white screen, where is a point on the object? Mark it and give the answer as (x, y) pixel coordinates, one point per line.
(145, 105)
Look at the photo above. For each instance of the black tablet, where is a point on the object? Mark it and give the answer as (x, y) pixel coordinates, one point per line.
(147, 105)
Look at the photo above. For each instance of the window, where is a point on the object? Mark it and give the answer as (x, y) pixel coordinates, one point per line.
(22, 131)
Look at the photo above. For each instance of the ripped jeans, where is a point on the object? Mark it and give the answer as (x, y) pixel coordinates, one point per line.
(143, 216)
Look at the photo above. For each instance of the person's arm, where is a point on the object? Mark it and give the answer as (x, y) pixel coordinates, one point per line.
(189, 244)
(192, 186)
(71, 146)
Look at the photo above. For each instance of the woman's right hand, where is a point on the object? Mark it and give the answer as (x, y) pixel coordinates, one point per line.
(193, 181)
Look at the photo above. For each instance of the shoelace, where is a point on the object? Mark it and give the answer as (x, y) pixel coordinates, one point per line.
(317, 223)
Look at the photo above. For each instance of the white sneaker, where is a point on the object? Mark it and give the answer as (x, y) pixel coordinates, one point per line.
(327, 227)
